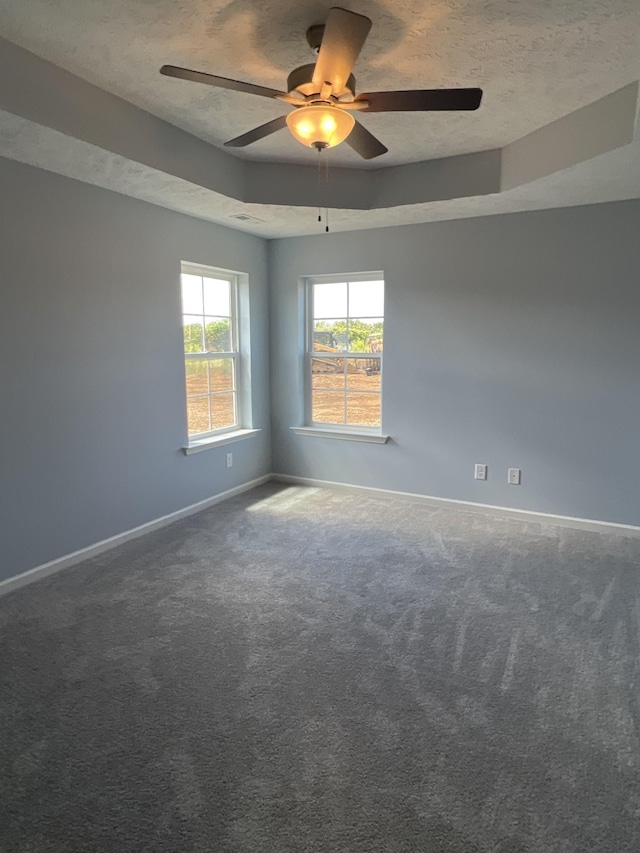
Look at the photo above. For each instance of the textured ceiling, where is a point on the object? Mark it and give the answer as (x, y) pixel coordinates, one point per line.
(537, 60)
(609, 177)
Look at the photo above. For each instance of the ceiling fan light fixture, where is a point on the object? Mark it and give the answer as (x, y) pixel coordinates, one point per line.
(320, 125)
(323, 94)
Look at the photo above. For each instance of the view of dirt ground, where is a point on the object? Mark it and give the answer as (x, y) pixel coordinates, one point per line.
(344, 391)
(204, 377)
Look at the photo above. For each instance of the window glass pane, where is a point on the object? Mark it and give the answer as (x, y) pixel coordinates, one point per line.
(327, 373)
(345, 352)
(363, 409)
(192, 329)
(223, 410)
(217, 297)
(198, 418)
(221, 374)
(365, 335)
(327, 407)
(366, 298)
(191, 294)
(218, 334)
(330, 300)
(197, 376)
(363, 374)
(330, 335)
(209, 328)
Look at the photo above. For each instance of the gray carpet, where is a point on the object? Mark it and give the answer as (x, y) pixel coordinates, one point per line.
(305, 670)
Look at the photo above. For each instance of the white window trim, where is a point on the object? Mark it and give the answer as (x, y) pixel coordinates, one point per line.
(210, 443)
(327, 429)
(233, 432)
(346, 433)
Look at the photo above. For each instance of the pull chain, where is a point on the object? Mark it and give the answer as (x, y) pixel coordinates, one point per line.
(326, 181)
(322, 194)
(319, 183)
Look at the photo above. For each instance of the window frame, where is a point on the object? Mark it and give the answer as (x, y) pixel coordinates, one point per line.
(328, 426)
(235, 355)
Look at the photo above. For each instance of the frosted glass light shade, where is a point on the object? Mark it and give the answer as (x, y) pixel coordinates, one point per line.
(319, 125)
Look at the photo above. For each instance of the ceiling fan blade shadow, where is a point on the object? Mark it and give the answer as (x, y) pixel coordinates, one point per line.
(421, 100)
(365, 143)
(220, 82)
(344, 34)
(258, 133)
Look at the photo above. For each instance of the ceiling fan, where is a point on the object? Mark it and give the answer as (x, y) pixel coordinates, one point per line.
(324, 94)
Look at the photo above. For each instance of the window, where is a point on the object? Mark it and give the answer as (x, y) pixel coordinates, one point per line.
(211, 349)
(344, 350)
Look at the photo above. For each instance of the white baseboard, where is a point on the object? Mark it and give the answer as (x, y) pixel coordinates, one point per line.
(94, 550)
(486, 509)
(60, 563)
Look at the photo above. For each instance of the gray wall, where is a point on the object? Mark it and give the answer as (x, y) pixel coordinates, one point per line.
(92, 411)
(510, 340)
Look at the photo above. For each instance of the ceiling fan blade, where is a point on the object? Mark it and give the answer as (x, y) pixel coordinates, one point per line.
(342, 40)
(421, 99)
(220, 82)
(257, 133)
(364, 143)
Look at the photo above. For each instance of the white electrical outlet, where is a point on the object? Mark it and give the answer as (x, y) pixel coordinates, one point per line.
(229, 460)
(513, 478)
(481, 472)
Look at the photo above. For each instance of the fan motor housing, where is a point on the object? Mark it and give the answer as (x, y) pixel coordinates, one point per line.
(301, 80)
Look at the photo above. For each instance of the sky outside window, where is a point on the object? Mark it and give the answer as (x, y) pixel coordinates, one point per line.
(365, 299)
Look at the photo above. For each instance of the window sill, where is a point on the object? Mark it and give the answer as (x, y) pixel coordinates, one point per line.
(346, 435)
(217, 440)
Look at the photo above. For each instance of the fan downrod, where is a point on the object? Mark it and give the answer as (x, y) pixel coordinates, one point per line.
(314, 37)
